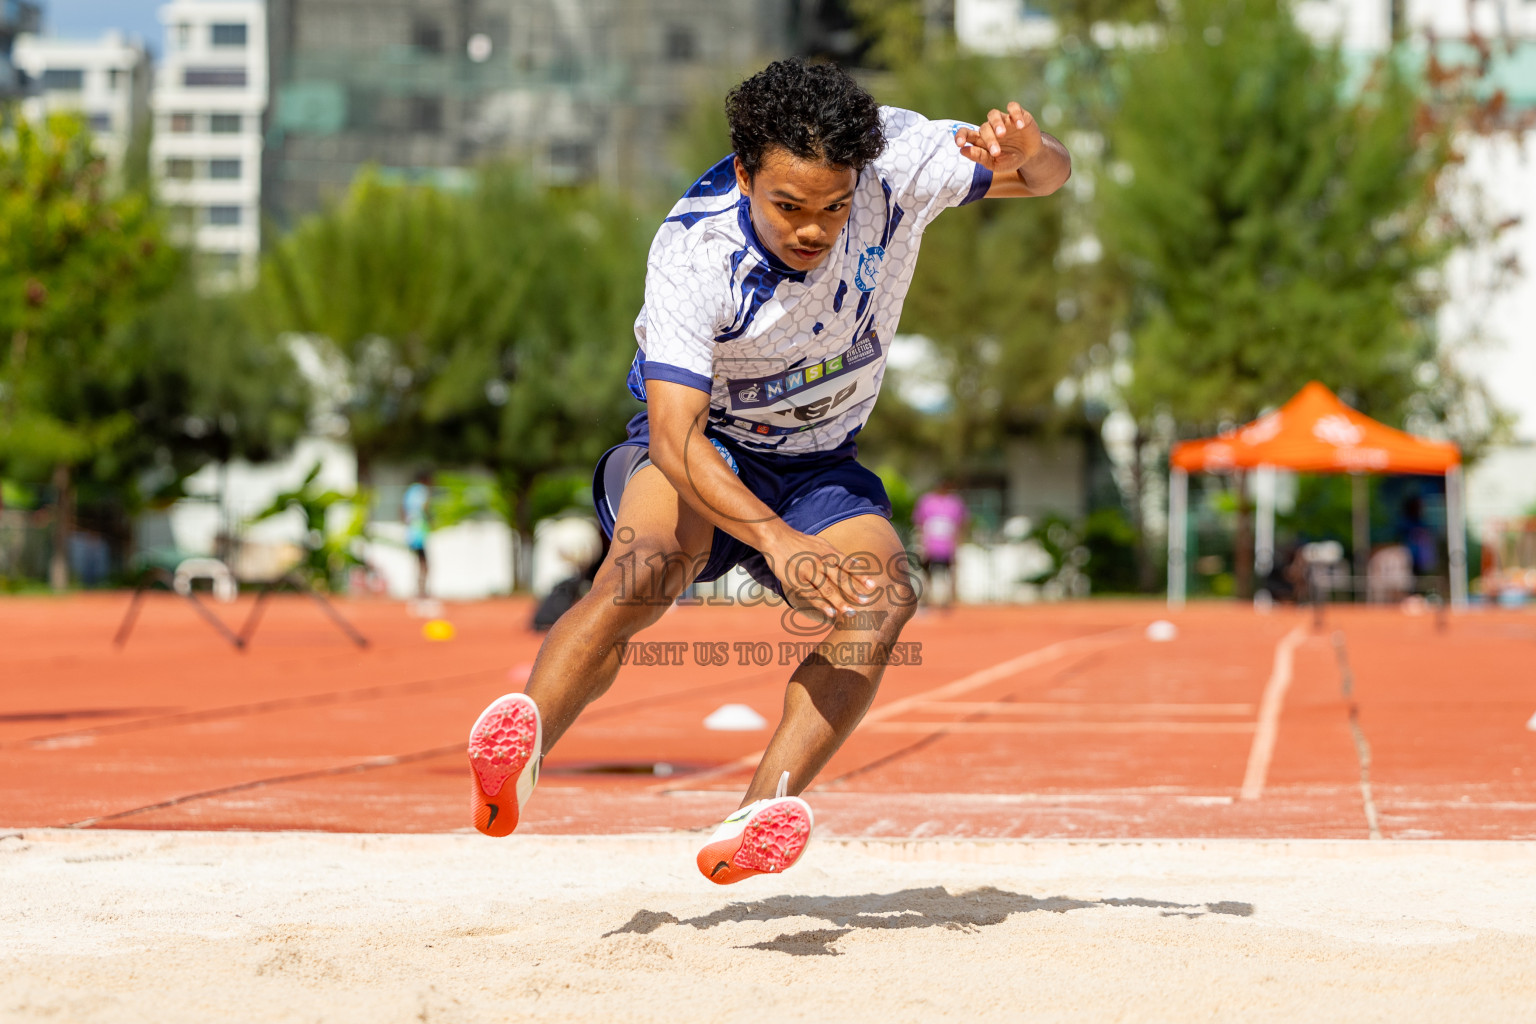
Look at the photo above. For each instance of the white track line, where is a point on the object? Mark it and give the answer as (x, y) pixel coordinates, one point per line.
(1060, 726)
(1079, 709)
(965, 684)
(1362, 745)
(1002, 670)
(1268, 726)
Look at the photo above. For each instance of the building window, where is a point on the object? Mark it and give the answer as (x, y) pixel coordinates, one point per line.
(224, 124)
(571, 159)
(224, 216)
(229, 35)
(427, 36)
(183, 35)
(63, 79)
(114, 78)
(682, 46)
(218, 262)
(224, 170)
(213, 78)
(426, 114)
(181, 123)
(179, 169)
(182, 216)
(101, 122)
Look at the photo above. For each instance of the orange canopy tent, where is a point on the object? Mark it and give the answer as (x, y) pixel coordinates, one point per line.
(1312, 433)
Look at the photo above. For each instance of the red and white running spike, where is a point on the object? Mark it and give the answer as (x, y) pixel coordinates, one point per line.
(504, 744)
(764, 837)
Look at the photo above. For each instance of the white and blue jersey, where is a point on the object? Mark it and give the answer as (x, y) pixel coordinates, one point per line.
(793, 360)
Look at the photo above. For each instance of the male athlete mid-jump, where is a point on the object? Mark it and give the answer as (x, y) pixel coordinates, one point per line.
(772, 293)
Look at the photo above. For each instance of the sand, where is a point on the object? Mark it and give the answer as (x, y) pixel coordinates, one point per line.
(176, 927)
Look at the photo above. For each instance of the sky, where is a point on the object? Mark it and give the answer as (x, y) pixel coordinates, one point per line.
(88, 19)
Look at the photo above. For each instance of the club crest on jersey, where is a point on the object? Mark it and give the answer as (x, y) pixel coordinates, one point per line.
(869, 268)
(730, 460)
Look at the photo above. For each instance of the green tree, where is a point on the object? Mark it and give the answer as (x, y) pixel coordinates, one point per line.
(537, 391)
(998, 291)
(1277, 219)
(490, 328)
(1277, 224)
(328, 554)
(78, 261)
(204, 386)
(381, 283)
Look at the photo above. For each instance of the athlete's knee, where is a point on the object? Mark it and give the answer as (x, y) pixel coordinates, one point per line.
(901, 613)
(652, 574)
(884, 621)
(898, 595)
(616, 611)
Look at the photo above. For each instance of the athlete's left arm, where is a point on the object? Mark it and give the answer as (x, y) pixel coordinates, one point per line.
(1024, 161)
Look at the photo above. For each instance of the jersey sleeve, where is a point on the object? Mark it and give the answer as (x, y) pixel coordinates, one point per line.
(924, 167)
(679, 322)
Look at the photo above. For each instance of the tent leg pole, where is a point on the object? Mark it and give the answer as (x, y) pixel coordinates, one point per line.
(1178, 505)
(1360, 507)
(1456, 536)
(1264, 524)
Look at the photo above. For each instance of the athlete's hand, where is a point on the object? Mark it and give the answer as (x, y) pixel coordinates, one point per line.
(1004, 142)
(816, 575)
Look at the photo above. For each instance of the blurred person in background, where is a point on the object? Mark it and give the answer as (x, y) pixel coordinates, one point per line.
(1412, 532)
(580, 547)
(940, 517)
(772, 293)
(1288, 579)
(414, 509)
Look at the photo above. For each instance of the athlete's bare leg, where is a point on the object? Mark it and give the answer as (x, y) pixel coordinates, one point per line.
(824, 701)
(659, 546)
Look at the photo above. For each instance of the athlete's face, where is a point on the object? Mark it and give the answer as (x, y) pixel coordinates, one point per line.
(798, 206)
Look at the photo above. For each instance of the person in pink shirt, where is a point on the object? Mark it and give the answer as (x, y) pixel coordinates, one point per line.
(939, 517)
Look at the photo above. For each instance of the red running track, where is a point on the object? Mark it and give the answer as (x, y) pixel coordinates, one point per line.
(1043, 721)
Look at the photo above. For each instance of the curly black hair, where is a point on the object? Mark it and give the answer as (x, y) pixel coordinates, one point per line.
(814, 111)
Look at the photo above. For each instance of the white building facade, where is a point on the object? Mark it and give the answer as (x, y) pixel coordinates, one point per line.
(209, 100)
(106, 80)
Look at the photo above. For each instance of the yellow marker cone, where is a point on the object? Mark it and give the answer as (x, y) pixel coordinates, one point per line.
(437, 629)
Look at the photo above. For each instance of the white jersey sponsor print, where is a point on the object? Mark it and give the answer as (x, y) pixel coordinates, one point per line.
(793, 360)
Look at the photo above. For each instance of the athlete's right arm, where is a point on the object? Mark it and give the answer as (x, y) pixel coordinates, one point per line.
(808, 566)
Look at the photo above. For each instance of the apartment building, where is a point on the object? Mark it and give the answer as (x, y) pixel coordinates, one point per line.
(424, 89)
(16, 17)
(107, 80)
(209, 101)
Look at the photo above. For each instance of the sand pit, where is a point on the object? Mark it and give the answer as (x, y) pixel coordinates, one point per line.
(199, 927)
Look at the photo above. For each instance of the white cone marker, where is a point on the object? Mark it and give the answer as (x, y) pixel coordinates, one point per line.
(735, 718)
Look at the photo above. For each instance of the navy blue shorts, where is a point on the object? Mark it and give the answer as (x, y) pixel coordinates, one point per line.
(809, 492)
